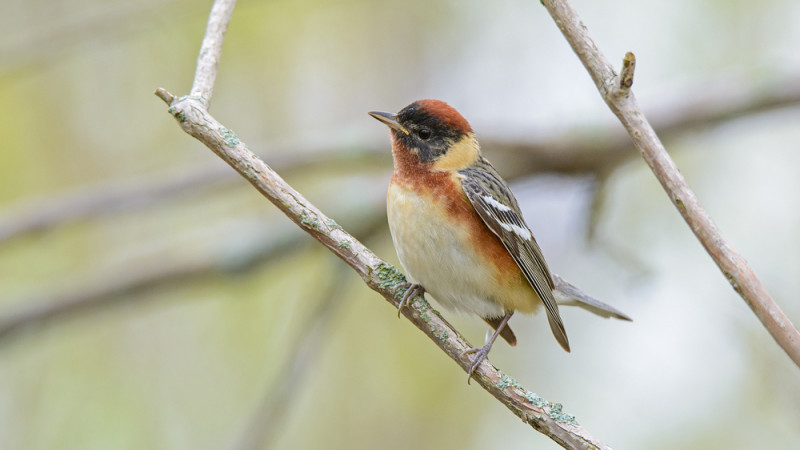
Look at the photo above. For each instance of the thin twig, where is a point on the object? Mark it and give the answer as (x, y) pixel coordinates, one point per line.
(211, 50)
(623, 103)
(192, 115)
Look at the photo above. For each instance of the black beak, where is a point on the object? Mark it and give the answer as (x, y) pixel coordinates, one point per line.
(389, 119)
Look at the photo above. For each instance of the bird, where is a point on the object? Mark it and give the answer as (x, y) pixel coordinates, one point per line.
(459, 232)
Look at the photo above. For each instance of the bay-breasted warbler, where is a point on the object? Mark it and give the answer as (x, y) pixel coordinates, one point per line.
(458, 229)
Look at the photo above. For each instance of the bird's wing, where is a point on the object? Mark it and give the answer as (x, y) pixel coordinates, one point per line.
(496, 205)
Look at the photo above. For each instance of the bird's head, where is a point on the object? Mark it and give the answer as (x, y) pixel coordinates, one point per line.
(430, 134)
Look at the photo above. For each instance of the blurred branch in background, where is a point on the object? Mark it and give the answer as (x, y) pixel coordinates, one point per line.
(41, 45)
(192, 115)
(105, 290)
(600, 152)
(116, 197)
(267, 420)
(580, 151)
(615, 90)
(102, 200)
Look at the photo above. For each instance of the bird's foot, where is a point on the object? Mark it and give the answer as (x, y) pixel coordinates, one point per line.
(412, 290)
(482, 353)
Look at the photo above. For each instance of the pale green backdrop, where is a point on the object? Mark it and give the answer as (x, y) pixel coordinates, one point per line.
(187, 358)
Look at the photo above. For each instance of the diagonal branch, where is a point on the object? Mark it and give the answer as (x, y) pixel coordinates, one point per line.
(623, 104)
(191, 112)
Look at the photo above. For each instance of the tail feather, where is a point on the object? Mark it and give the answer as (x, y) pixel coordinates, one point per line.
(568, 295)
(559, 333)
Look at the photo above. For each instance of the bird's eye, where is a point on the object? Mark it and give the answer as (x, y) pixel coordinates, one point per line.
(424, 133)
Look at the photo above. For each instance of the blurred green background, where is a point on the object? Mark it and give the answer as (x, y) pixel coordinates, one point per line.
(183, 311)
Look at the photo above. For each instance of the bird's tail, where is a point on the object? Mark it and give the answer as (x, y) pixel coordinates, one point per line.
(568, 295)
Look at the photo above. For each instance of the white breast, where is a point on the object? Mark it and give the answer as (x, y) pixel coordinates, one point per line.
(433, 255)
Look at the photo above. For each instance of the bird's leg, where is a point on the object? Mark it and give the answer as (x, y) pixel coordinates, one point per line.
(412, 290)
(484, 351)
